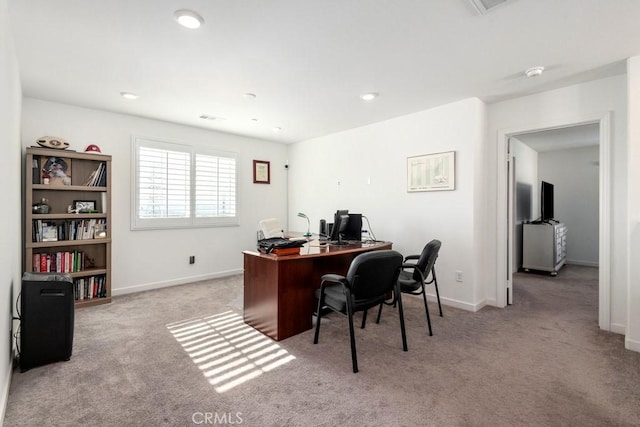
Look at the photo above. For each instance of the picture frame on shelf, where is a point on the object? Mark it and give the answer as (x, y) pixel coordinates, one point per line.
(49, 233)
(261, 172)
(55, 170)
(100, 231)
(84, 206)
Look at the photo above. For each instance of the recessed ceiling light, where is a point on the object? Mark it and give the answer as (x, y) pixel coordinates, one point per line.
(276, 128)
(188, 18)
(534, 71)
(369, 96)
(128, 95)
(249, 95)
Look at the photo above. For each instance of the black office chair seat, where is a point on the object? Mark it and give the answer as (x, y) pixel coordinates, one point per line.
(407, 283)
(335, 297)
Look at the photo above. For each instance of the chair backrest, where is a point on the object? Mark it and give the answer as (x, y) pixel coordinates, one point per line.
(427, 259)
(373, 273)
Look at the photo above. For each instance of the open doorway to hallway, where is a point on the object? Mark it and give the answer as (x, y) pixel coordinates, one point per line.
(568, 158)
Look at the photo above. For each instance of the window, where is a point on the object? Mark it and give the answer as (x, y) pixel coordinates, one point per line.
(176, 185)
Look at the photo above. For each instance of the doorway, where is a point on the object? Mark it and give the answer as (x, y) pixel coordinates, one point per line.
(506, 223)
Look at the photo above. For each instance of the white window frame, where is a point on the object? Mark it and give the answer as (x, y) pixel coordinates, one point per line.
(192, 221)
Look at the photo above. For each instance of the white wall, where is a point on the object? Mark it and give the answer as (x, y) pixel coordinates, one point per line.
(365, 170)
(575, 174)
(527, 205)
(154, 258)
(10, 226)
(632, 340)
(569, 105)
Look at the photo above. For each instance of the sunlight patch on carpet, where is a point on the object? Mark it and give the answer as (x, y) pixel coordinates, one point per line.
(228, 351)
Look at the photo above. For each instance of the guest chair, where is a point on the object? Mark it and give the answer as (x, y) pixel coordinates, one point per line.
(370, 278)
(413, 276)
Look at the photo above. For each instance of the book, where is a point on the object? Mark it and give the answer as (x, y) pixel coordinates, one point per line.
(286, 251)
(36, 263)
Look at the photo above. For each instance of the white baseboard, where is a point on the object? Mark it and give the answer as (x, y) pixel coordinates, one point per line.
(632, 345)
(4, 393)
(175, 282)
(583, 263)
(617, 328)
(462, 305)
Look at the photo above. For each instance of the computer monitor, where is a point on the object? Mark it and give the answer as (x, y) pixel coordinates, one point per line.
(353, 230)
(340, 223)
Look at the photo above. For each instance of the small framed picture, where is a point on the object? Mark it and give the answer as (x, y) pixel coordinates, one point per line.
(100, 231)
(261, 172)
(49, 233)
(84, 206)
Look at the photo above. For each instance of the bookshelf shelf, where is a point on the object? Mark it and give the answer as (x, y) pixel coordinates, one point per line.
(59, 241)
(65, 243)
(67, 188)
(68, 216)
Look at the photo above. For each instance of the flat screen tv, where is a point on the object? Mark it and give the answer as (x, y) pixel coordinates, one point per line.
(546, 202)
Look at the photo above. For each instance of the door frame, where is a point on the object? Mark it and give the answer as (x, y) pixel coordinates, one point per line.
(503, 223)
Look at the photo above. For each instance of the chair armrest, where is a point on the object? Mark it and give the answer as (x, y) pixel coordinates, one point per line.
(335, 278)
(408, 257)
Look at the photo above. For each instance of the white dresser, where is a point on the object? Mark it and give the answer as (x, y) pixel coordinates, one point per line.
(544, 246)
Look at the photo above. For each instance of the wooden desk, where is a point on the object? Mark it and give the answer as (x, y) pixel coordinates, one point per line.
(279, 290)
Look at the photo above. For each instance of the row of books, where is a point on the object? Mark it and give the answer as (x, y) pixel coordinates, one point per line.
(58, 262)
(98, 177)
(80, 229)
(90, 287)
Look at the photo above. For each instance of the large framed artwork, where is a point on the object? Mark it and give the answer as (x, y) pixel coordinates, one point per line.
(431, 172)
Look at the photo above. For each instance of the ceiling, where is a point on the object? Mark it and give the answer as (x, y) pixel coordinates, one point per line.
(307, 61)
(562, 138)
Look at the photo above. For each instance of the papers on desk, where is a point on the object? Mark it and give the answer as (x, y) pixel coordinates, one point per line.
(271, 228)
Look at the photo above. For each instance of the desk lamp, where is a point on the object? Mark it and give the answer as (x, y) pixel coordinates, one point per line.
(308, 233)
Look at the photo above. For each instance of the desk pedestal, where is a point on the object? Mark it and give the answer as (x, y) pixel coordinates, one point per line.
(279, 290)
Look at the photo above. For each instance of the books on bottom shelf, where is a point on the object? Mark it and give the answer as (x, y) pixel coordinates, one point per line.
(86, 288)
(58, 262)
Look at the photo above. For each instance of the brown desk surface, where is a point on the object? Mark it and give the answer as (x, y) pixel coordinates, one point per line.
(279, 290)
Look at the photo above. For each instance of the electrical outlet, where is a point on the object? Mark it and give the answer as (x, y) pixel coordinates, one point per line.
(458, 276)
(192, 259)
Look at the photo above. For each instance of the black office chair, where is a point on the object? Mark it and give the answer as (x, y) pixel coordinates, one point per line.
(370, 278)
(413, 277)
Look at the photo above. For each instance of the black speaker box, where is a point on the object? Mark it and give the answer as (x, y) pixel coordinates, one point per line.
(46, 319)
(323, 227)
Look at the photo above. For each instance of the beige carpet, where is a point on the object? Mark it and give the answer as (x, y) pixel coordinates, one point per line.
(181, 356)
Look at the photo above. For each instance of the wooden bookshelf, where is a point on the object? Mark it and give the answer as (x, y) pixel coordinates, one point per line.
(78, 177)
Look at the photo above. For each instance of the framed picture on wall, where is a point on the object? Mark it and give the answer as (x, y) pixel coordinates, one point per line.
(431, 172)
(261, 172)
